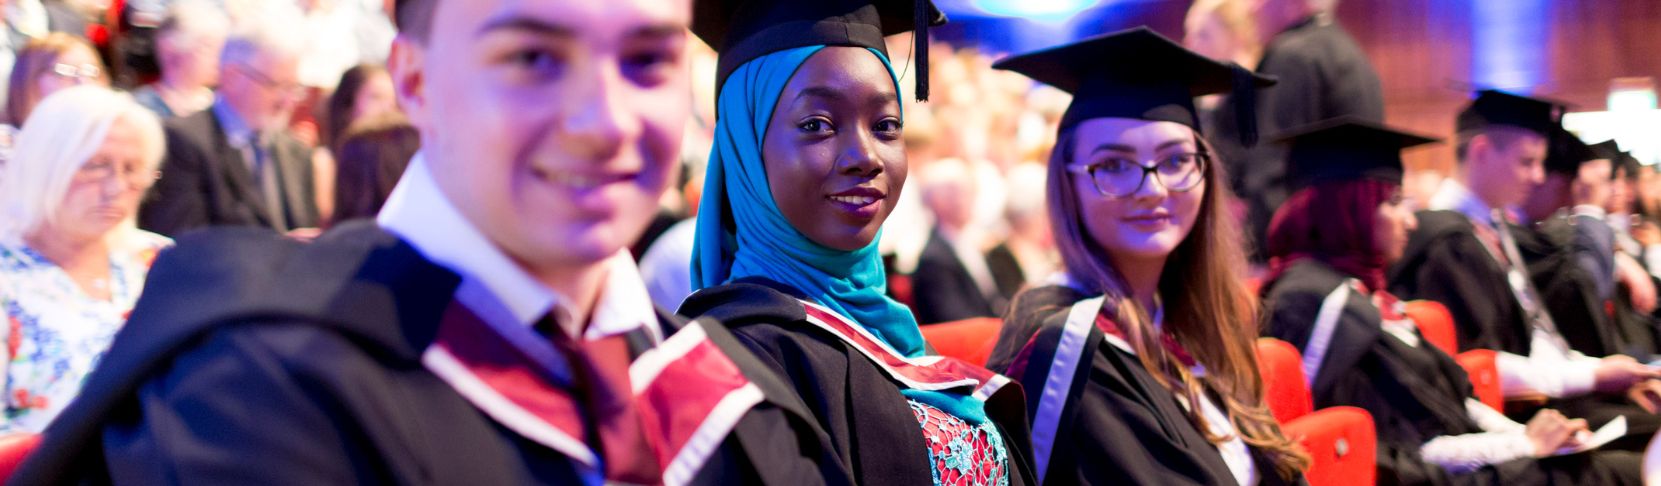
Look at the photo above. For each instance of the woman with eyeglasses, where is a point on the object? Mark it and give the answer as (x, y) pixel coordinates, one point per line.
(72, 262)
(45, 66)
(1139, 366)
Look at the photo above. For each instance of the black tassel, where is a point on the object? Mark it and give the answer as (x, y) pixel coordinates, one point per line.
(920, 45)
(1245, 104)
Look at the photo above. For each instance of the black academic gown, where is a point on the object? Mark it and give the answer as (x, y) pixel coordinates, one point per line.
(1568, 289)
(252, 359)
(1117, 424)
(870, 424)
(1414, 393)
(1446, 262)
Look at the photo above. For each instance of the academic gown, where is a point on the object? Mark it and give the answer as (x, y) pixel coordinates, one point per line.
(854, 398)
(1568, 289)
(1446, 262)
(253, 359)
(1116, 424)
(1414, 393)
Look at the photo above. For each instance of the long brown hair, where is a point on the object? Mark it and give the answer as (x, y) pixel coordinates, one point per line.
(1207, 307)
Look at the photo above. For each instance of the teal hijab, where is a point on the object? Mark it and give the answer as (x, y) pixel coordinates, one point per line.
(757, 241)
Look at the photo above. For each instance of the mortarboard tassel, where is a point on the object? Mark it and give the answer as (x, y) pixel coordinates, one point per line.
(1245, 104)
(920, 45)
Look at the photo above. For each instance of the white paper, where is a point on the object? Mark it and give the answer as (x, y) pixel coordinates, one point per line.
(1615, 429)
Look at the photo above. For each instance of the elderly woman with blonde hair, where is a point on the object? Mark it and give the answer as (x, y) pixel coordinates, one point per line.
(72, 262)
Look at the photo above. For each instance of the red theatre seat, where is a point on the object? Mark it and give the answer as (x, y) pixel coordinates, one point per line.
(1485, 376)
(1283, 383)
(1435, 323)
(1341, 440)
(970, 340)
(13, 448)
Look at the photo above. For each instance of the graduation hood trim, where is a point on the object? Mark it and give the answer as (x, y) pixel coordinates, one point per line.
(932, 373)
(687, 392)
(1052, 400)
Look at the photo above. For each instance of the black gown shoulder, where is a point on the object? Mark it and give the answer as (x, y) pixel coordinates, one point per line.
(1116, 424)
(1446, 262)
(254, 359)
(857, 406)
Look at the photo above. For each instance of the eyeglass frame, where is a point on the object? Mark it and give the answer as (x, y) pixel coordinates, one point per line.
(292, 90)
(1201, 160)
(77, 72)
(135, 179)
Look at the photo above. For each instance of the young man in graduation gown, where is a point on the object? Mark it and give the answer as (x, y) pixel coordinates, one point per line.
(488, 328)
(1570, 251)
(1466, 255)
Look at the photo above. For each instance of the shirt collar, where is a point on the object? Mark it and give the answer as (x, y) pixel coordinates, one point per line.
(1454, 196)
(233, 125)
(421, 214)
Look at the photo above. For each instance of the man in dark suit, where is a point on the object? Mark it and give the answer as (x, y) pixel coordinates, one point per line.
(952, 280)
(235, 164)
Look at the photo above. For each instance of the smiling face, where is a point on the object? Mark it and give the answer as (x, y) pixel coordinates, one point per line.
(552, 125)
(1148, 224)
(833, 151)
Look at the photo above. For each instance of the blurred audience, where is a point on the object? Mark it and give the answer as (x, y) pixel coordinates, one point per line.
(372, 156)
(953, 280)
(46, 65)
(236, 163)
(1028, 256)
(188, 45)
(71, 262)
(364, 91)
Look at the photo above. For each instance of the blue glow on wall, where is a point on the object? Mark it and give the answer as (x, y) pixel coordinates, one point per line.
(1037, 10)
(1508, 43)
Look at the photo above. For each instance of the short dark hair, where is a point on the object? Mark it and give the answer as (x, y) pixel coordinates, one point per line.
(414, 17)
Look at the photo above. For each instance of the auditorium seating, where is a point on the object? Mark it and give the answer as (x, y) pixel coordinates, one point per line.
(970, 340)
(1435, 323)
(13, 448)
(1341, 440)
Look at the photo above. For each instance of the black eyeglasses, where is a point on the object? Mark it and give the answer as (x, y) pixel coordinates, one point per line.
(1122, 177)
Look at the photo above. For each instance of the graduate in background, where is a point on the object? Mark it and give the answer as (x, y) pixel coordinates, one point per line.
(488, 328)
(1141, 365)
(1465, 255)
(808, 162)
(1328, 248)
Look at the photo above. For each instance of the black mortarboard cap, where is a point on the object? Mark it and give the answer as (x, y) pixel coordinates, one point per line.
(1139, 74)
(1494, 107)
(742, 30)
(1344, 149)
(1565, 152)
(1607, 149)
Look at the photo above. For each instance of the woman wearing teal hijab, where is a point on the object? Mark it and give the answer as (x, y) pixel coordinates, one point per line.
(807, 163)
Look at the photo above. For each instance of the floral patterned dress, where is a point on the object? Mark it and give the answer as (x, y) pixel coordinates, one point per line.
(54, 332)
(961, 453)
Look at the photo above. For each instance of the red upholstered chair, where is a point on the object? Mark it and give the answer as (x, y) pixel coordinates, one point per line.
(1485, 376)
(1341, 440)
(13, 448)
(1435, 323)
(1284, 386)
(970, 340)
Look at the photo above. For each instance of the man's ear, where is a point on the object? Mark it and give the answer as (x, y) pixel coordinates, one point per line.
(407, 66)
